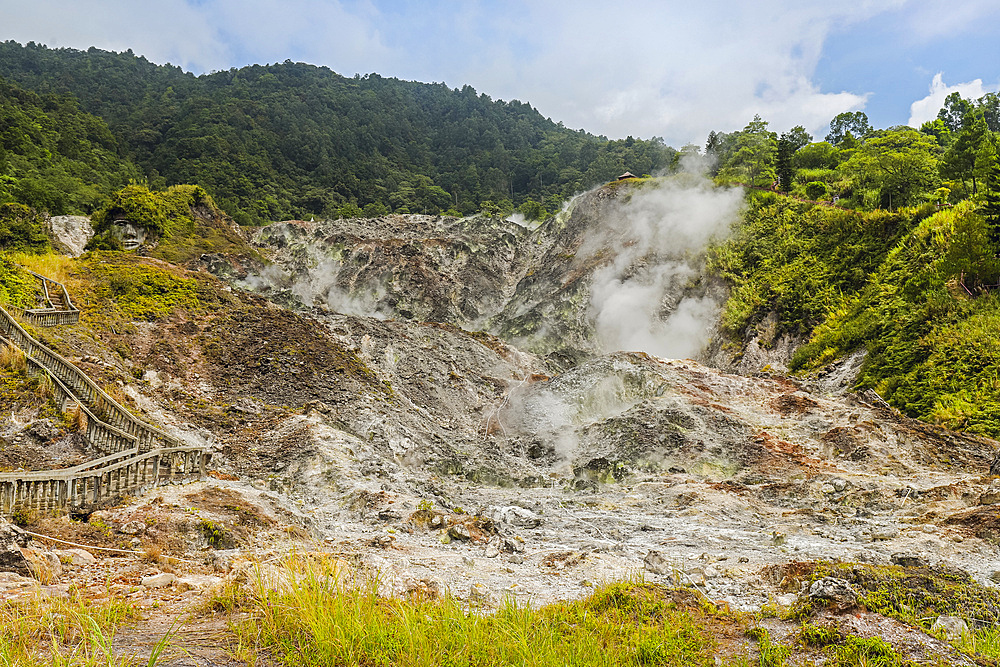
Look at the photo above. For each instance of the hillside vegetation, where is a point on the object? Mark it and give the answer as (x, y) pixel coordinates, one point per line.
(913, 287)
(293, 140)
(55, 157)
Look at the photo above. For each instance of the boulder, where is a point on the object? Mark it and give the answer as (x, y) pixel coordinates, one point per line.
(12, 540)
(837, 593)
(459, 532)
(515, 516)
(133, 528)
(159, 580)
(45, 565)
(76, 556)
(952, 626)
(908, 560)
(655, 562)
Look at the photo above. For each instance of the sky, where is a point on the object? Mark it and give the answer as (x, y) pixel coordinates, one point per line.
(672, 69)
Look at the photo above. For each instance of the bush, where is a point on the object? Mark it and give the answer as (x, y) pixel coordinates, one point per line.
(816, 190)
(22, 228)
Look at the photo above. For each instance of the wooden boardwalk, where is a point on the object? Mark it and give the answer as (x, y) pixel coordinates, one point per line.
(136, 456)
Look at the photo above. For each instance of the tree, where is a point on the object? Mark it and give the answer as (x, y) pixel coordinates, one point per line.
(532, 210)
(820, 155)
(938, 130)
(850, 122)
(989, 104)
(897, 165)
(815, 189)
(784, 169)
(798, 137)
(970, 154)
(753, 156)
(991, 202)
(954, 111)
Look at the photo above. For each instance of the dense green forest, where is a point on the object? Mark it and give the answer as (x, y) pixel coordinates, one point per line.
(55, 157)
(292, 140)
(857, 166)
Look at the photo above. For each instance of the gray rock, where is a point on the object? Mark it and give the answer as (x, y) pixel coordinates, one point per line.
(513, 545)
(655, 562)
(161, 580)
(837, 593)
(459, 532)
(952, 626)
(45, 565)
(908, 560)
(133, 528)
(70, 233)
(12, 539)
(518, 517)
(76, 556)
(222, 560)
(884, 532)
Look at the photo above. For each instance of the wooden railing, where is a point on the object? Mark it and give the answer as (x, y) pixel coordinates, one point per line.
(138, 456)
(58, 310)
(88, 484)
(83, 388)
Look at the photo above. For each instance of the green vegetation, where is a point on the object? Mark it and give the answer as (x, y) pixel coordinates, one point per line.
(117, 288)
(17, 287)
(53, 156)
(799, 260)
(912, 286)
(41, 630)
(917, 595)
(22, 228)
(323, 621)
(182, 223)
(163, 213)
(293, 140)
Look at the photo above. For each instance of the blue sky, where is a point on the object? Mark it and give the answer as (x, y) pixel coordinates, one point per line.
(670, 69)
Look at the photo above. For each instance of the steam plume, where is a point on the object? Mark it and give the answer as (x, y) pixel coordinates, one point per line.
(656, 241)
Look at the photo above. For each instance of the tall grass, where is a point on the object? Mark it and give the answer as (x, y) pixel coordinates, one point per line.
(56, 267)
(13, 359)
(45, 631)
(319, 619)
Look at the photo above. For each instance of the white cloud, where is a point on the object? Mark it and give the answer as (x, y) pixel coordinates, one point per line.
(927, 108)
(171, 31)
(676, 70)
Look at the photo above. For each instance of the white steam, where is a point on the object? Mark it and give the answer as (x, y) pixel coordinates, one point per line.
(320, 285)
(655, 242)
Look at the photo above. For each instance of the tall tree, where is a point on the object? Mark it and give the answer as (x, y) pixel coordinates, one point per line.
(785, 171)
(970, 154)
(990, 208)
(752, 157)
(897, 165)
(854, 123)
(954, 111)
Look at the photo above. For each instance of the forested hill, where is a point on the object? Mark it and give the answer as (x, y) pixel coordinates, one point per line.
(290, 140)
(54, 156)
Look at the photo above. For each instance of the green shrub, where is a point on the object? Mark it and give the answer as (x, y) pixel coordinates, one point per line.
(22, 228)
(815, 189)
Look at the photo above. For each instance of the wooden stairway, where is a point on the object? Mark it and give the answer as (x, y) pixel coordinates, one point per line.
(136, 455)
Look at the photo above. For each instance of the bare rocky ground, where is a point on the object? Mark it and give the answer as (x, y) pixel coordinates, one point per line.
(453, 461)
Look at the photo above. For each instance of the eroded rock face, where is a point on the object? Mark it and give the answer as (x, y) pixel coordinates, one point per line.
(70, 233)
(618, 269)
(425, 268)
